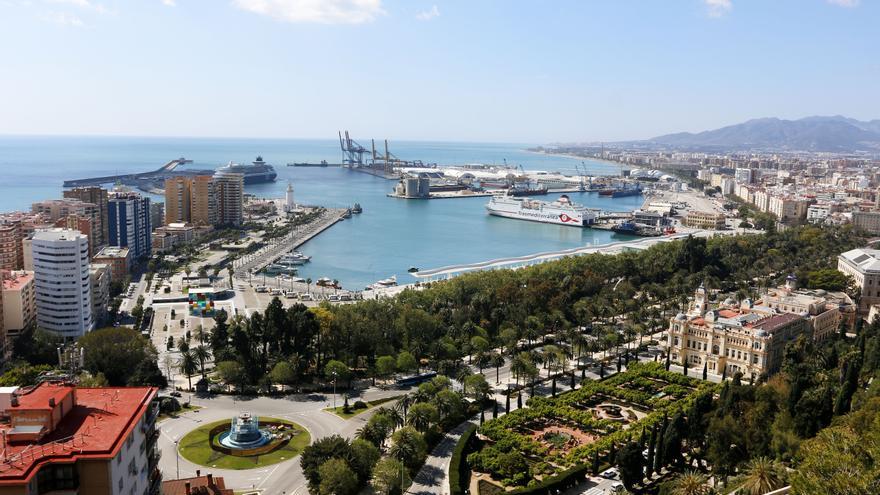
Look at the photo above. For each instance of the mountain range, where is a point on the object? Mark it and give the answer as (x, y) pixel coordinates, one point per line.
(819, 133)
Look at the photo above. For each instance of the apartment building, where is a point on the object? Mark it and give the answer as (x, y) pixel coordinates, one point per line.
(62, 439)
(203, 210)
(97, 196)
(118, 259)
(178, 201)
(81, 224)
(129, 217)
(229, 190)
(11, 249)
(63, 287)
(55, 209)
(869, 221)
(19, 302)
(100, 278)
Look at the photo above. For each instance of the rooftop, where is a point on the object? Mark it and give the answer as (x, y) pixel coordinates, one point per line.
(16, 280)
(94, 429)
(58, 234)
(112, 252)
(867, 260)
(775, 322)
(198, 485)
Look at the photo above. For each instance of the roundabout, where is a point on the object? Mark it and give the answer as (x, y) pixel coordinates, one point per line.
(244, 442)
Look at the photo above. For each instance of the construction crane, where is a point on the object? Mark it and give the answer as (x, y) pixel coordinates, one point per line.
(352, 152)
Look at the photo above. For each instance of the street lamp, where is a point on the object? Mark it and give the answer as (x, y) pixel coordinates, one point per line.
(334, 374)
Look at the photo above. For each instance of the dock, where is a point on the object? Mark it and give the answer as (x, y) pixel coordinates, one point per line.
(96, 181)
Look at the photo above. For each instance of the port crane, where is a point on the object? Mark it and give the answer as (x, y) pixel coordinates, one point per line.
(352, 152)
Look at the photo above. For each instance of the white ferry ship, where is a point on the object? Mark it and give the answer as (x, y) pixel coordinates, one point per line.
(560, 212)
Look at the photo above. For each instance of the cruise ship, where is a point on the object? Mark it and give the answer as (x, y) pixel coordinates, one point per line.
(255, 173)
(559, 212)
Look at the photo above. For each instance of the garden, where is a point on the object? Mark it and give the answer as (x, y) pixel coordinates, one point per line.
(583, 426)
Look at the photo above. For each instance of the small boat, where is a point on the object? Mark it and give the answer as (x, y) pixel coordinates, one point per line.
(324, 282)
(356, 209)
(413, 269)
(388, 282)
(347, 213)
(628, 228)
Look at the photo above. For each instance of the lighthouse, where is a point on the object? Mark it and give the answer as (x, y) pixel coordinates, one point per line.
(289, 205)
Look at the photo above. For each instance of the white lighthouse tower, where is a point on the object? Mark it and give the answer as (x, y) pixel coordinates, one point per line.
(289, 205)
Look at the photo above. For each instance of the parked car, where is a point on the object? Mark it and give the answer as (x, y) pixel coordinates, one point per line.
(610, 473)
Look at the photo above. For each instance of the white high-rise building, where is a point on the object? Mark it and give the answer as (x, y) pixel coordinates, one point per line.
(289, 205)
(63, 286)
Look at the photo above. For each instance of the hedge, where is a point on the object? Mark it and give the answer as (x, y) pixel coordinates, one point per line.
(458, 480)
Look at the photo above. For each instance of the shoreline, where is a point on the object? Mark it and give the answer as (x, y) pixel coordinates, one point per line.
(576, 157)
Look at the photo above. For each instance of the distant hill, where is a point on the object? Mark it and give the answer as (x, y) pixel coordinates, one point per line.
(836, 133)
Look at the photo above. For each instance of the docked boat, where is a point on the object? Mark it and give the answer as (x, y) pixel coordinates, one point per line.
(560, 212)
(356, 209)
(279, 269)
(256, 173)
(527, 189)
(620, 192)
(413, 269)
(384, 283)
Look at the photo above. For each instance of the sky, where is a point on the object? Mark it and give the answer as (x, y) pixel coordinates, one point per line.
(460, 70)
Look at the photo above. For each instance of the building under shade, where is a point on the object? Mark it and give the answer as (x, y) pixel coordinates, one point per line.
(63, 439)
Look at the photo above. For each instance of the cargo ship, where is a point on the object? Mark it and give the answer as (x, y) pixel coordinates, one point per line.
(621, 192)
(256, 173)
(559, 212)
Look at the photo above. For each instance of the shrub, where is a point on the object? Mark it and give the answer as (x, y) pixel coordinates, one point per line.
(360, 405)
(458, 481)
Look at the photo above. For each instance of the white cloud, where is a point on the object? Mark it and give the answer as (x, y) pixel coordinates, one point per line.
(718, 8)
(428, 14)
(170, 3)
(64, 19)
(844, 3)
(319, 11)
(83, 4)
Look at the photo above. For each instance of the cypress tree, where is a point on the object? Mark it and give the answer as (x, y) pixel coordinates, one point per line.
(482, 416)
(652, 440)
(602, 369)
(519, 400)
(667, 361)
(705, 371)
(619, 364)
(595, 462)
(507, 403)
(684, 367)
(553, 386)
(494, 409)
(572, 380)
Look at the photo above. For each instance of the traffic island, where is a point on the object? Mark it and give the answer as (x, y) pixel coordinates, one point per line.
(284, 441)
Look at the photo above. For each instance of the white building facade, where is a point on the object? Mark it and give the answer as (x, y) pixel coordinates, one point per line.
(63, 285)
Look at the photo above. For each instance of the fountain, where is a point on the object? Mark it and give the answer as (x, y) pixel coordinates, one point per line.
(244, 433)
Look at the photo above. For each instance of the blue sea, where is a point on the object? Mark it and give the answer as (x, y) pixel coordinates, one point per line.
(388, 238)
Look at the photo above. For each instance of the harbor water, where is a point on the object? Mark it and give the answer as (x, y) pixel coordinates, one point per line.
(391, 234)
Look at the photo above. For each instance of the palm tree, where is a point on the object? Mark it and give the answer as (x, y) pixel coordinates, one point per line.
(394, 414)
(202, 353)
(308, 284)
(497, 360)
(690, 483)
(188, 365)
(762, 475)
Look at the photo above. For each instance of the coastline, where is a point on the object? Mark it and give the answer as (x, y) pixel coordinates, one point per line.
(576, 157)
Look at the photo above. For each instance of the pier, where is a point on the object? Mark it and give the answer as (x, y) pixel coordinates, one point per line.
(96, 181)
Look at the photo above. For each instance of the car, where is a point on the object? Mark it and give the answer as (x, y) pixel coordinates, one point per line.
(610, 473)
(262, 288)
(305, 296)
(616, 487)
(333, 298)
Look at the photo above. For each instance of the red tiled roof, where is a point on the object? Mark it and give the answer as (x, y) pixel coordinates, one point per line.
(94, 429)
(775, 322)
(727, 313)
(40, 396)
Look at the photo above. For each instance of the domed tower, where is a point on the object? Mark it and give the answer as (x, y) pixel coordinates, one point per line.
(791, 283)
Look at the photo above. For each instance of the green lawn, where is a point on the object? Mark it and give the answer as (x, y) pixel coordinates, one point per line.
(194, 447)
(354, 412)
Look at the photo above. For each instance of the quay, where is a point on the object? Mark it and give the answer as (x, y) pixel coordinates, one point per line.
(96, 181)
(296, 238)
